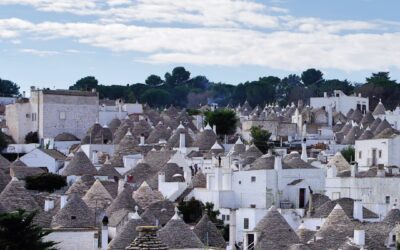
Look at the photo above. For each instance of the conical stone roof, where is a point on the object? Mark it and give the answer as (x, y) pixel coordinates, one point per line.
(145, 195)
(339, 161)
(159, 132)
(199, 180)
(275, 232)
(379, 109)
(80, 165)
(208, 233)
(375, 124)
(141, 128)
(126, 125)
(366, 135)
(352, 135)
(205, 139)
(173, 141)
(127, 234)
(161, 210)
(108, 170)
(356, 116)
(16, 196)
(114, 124)
(75, 214)
(147, 239)
(177, 235)
(127, 146)
(367, 119)
(81, 186)
(382, 126)
(123, 200)
(97, 197)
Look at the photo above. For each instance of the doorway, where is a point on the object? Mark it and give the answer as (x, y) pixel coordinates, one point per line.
(302, 197)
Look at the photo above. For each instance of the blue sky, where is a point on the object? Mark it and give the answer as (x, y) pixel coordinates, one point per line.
(53, 43)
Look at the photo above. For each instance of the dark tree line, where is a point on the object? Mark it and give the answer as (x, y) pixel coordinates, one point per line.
(180, 88)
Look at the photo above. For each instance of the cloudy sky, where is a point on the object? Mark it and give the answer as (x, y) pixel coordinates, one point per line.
(52, 43)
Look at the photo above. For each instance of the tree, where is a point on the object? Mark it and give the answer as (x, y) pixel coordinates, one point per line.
(8, 88)
(191, 210)
(31, 137)
(156, 97)
(381, 78)
(179, 75)
(311, 76)
(224, 119)
(260, 138)
(45, 182)
(17, 232)
(3, 141)
(154, 80)
(85, 84)
(348, 153)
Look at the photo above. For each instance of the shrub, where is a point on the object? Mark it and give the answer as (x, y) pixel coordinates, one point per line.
(45, 182)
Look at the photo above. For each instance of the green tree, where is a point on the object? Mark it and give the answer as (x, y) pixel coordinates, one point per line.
(3, 141)
(17, 232)
(154, 80)
(191, 210)
(224, 119)
(45, 182)
(31, 137)
(348, 153)
(156, 97)
(8, 88)
(178, 76)
(260, 138)
(381, 78)
(330, 85)
(85, 84)
(312, 76)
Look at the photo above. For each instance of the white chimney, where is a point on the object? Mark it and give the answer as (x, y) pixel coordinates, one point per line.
(161, 177)
(215, 129)
(121, 185)
(104, 236)
(354, 170)
(304, 151)
(63, 201)
(278, 163)
(232, 228)
(358, 210)
(95, 158)
(182, 141)
(48, 205)
(359, 237)
(141, 140)
(330, 116)
(325, 94)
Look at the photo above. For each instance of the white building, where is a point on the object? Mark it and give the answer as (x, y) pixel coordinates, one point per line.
(52, 112)
(50, 158)
(340, 102)
(120, 110)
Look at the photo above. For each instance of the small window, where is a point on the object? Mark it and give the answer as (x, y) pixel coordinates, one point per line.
(359, 154)
(246, 223)
(317, 228)
(240, 182)
(380, 153)
(253, 179)
(73, 217)
(252, 205)
(62, 116)
(223, 217)
(393, 238)
(28, 116)
(227, 217)
(387, 199)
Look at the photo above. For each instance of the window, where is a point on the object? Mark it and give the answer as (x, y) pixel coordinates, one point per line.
(253, 179)
(387, 199)
(393, 238)
(33, 117)
(227, 217)
(223, 217)
(246, 223)
(380, 153)
(252, 205)
(73, 217)
(240, 182)
(336, 195)
(317, 228)
(28, 116)
(62, 116)
(359, 154)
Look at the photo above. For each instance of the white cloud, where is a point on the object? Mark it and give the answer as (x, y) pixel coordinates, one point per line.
(41, 53)
(285, 50)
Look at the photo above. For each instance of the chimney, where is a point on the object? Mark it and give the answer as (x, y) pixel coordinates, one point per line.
(380, 171)
(359, 237)
(121, 185)
(278, 163)
(330, 116)
(304, 150)
(161, 177)
(215, 129)
(325, 95)
(141, 140)
(358, 210)
(48, 205)
(63, 201)
(104, 233)
(232, 228)
(182, 140)
(95, 158)
(310, 205)
(354, 169)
